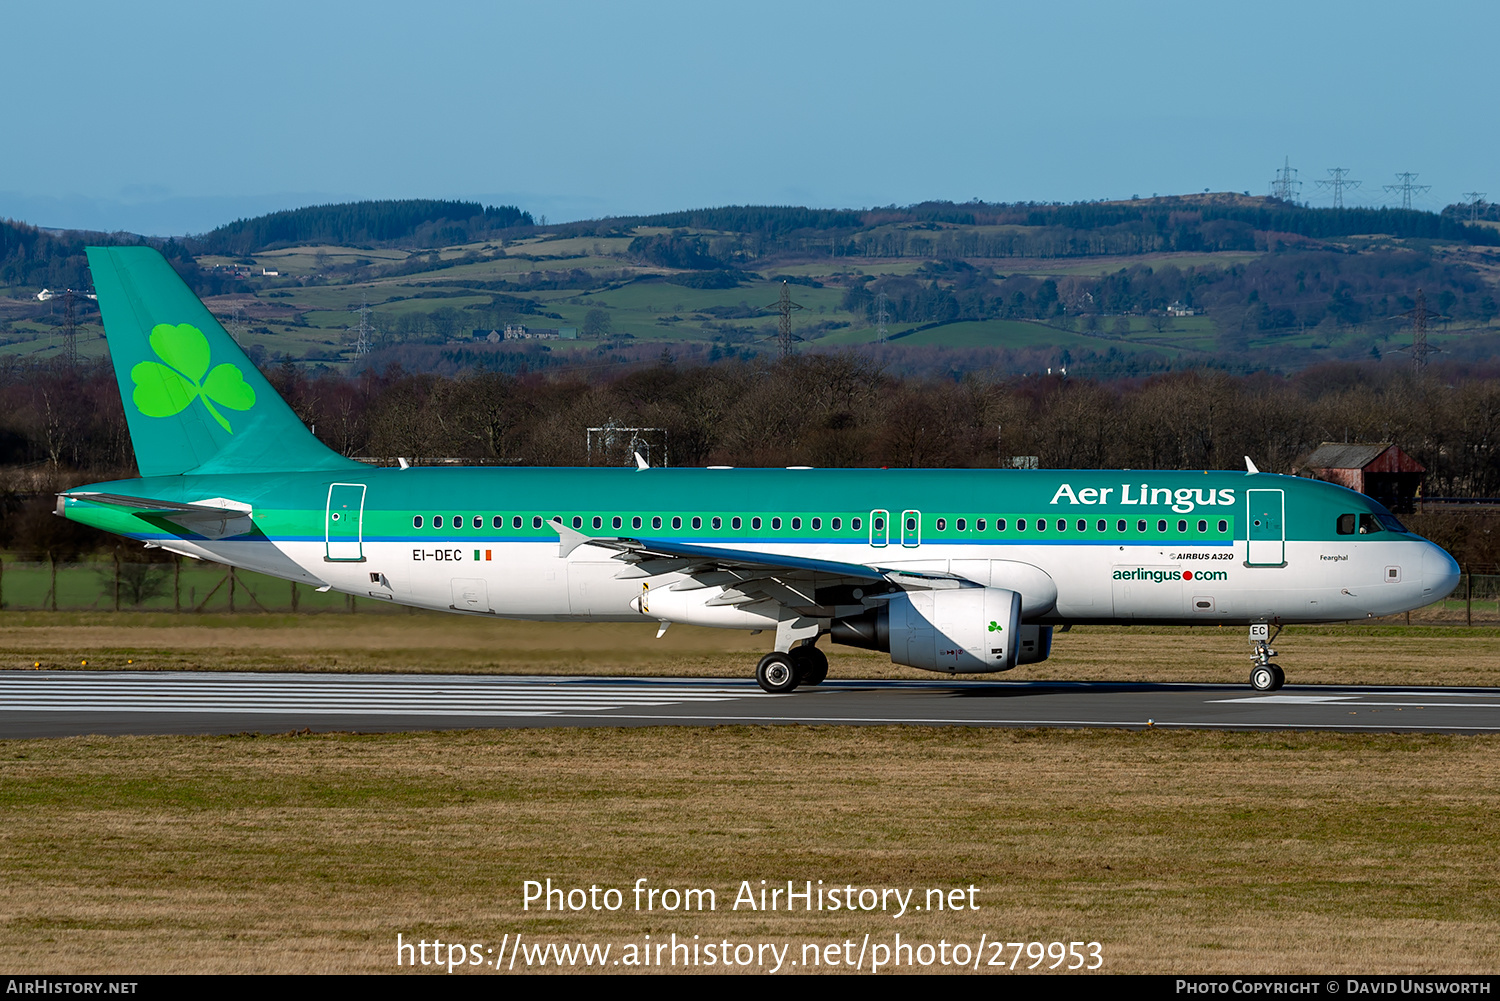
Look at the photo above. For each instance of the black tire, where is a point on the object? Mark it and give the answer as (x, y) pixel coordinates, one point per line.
(1266, 677)
(777, 673)
(812, 664)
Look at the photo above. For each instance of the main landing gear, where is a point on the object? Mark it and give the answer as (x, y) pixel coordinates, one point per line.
(1264, 676)
(779, 673)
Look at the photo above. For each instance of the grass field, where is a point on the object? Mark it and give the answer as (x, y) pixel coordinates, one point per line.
(434, 642)
(1176, 851)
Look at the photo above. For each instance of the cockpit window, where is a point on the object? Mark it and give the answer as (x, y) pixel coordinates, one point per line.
(1369, 525)
(1346, 524)
(1390, 523)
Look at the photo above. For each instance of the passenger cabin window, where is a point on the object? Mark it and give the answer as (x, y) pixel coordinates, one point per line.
(796, 524)
(718, 523)
(478, 521)
(1000, 525)
(1103, 525)
(1182, 524)
(437, 521)
(734, 522)
(1020, 524)
(515, 522)
(1041, 524)
(577, 521)
(536, 521)
(416, 522)
(616, 522)
(979, 524)
(676, 523)
(942, 524)
(817, 523)
(458, 521)
(1120, 525)
(697, 522)
(1202, 526)
(1223, 525)
(1140, 526)
(656, 522)
(962, 525)
(498, 521)
(755, 524)
(635, 522)
(855, 523)
(598, 521)
(1161, 524)
(1083, 526)
(776, 524)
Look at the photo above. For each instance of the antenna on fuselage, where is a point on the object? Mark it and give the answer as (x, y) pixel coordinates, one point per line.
(1250, 466)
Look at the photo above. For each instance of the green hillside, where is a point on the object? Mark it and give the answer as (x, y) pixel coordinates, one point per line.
(1225, 280)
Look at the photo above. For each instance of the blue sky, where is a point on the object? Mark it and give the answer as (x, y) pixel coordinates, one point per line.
(172, 118)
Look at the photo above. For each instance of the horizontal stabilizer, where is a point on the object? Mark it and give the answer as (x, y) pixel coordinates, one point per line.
(214, 518)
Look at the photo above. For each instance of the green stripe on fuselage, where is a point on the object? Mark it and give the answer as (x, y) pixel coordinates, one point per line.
(293, 505)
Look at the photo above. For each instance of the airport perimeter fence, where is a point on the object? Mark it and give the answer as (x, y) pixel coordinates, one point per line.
(182, 585)
(187, 586)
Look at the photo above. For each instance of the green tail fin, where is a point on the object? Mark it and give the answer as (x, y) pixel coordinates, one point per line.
(192, 399)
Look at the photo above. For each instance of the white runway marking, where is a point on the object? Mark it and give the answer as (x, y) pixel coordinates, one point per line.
(351, 695)
(1290, 700)
(1349, 700)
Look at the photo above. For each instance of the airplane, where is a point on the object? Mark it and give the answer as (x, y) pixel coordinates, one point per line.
(960, 571)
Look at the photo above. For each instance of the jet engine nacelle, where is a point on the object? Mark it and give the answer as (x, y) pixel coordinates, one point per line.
(958, 630)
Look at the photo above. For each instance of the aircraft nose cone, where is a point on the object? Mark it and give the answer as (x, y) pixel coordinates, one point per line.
(1439, 573)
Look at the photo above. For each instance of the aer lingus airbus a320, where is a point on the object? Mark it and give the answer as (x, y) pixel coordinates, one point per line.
(958, 571)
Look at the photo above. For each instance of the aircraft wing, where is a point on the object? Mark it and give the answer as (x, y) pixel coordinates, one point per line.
(213, 518)
(807, 586)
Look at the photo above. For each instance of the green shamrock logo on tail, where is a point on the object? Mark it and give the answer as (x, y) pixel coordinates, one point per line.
(995, 627)
(165, 390)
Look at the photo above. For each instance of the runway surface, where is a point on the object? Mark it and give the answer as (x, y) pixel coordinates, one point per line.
(67, 703)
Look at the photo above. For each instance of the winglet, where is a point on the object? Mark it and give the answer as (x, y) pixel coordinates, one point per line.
(641, 463)
(568, 539)
(1250, 466)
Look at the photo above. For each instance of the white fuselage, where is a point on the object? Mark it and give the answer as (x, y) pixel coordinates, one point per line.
(1321, 581)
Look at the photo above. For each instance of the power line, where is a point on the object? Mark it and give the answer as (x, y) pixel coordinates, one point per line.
(363, 331)
(1474, 199)
(1420, 349)
(1337, 183)
(1406, 187)
(785, 305)
(1286, 186)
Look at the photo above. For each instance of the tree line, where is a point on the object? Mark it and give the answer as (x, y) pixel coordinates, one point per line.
(417, 222)
(60, 427)
(1300, 289)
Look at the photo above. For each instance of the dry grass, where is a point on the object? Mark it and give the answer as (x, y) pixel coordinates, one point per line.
(1379, 654)
(1178, 852)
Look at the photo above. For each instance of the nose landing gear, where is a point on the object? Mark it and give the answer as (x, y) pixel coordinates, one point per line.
(1264, 676)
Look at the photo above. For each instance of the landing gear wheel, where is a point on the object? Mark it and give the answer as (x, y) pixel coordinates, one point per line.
(777, 673)
(1266, 678)
(812, 664)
